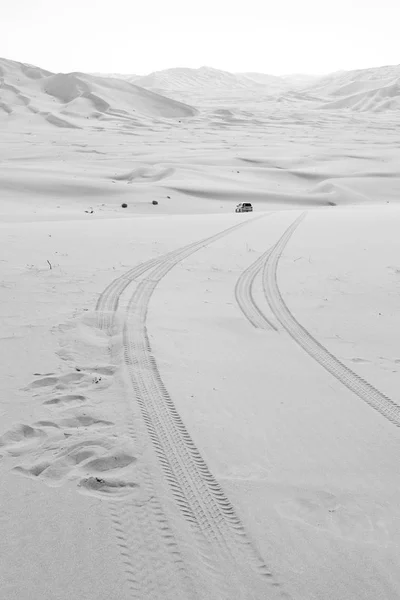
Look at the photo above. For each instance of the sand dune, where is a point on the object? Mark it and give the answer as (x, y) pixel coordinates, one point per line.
(194, 79)
(374, 90)
(204, 83)
(381, 99)
(347, 82)
(188, 78)
(65, 100)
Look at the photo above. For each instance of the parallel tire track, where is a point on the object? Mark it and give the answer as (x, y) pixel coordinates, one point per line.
(198, 495)
(131, 531)
(381, 403)
(150, 554)
(107, 303)
(245, 298)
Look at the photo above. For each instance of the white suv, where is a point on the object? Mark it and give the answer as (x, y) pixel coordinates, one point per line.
(244, 207)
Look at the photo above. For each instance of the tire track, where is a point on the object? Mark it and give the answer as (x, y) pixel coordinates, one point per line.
(151, 557)
(150, 553)
(245, 298)
(364, 390)
(168, 566)
(107, 303)
(200, 499)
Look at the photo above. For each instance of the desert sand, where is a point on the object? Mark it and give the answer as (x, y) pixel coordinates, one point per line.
(198, 404)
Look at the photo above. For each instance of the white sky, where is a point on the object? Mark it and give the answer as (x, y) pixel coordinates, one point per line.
(140, 36)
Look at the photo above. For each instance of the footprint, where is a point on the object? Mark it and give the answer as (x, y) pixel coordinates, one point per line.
(106, 370)
(22, 438)
(83, 379)
(47, 424)
(100, 445)
(84, 421)
(33, 471)
(71, 378)
(110, 463)
(44, 382)
(113, 489)
(43, 374)
(85, 458)
(57, 467)
(55, 473)
(99, 377)
(58, 382)
(66, 400)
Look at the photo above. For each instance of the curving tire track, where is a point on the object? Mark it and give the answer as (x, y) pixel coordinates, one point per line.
(210, 518)
(244, 295)
(200, 499)
(364, 390)
(107, 303)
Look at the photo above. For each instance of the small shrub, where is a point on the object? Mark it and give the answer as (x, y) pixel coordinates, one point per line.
(124, 205)
(155, 202)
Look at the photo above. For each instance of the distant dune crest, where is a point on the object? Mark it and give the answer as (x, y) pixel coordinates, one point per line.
(79, 100)
(69, 100)
(374, 89)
